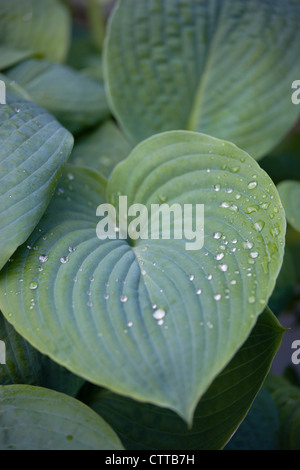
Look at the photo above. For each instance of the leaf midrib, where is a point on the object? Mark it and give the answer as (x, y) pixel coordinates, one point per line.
(193, 118)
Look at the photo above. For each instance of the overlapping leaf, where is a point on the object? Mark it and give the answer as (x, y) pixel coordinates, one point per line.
(261, 428)
(34, 418)
(26, 365)
(218, 413)
(75, 100)
(26, 28)
(147, 318)
(287, 400)
(23, 364)
(101, 149)
(33, 149)
(290, 195)
(223, 67)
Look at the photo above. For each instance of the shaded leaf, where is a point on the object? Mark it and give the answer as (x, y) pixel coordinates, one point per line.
(26, 365)
(101, 149)
(285, 285)
(260, 429)
(289, 192)
(287, 400)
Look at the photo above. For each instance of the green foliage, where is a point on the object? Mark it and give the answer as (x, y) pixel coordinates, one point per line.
(34, 418)
(27, 27)
(217, 67)
(169, 103)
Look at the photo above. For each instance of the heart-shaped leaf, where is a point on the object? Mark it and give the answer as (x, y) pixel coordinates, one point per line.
(75, 100)
(26, 365)
(147, 318)
(26, 28)
(290, 195)
(34, 418)
(223, 67)
(33, 149)
(219, 412)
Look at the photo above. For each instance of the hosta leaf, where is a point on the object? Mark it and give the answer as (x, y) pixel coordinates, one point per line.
(26, 365)
(222, 67)
(34, 418)
(27, 27)
(290, 195)
(221, 409)
(93, 307)
(260, 429)
(13, 88)
(33, 150)
(10, 56)
(101, 149)
(76, 101)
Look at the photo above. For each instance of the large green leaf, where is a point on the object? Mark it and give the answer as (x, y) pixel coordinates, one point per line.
(219, 412)
(34, 418)
(290, 195)
(260, 429)
(76, 101)
(33, 27)
(223, 67)
(26, 365)
(33, 150)
(98, 305)
(101, 149)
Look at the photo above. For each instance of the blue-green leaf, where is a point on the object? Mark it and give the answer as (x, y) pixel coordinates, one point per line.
(33, 149)
(97, 302)
(223, 67)
(34, 418)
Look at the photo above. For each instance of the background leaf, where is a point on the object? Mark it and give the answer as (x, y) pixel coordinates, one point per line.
(290, 195)
(222, 67)
(94, 300)
(26, 365)
(33, 149)
(260, 429)
(75, 100)
(33, 418)
(218, 413)
(101, 149)
(287, 400)
(285, 284)
(26, 27)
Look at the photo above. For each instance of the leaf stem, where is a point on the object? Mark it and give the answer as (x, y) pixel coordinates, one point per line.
(97, 23)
